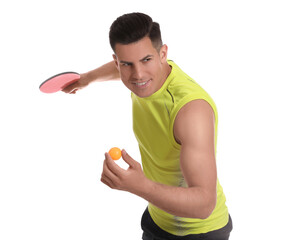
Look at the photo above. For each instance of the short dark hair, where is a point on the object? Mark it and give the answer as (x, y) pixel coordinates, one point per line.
(132, 27)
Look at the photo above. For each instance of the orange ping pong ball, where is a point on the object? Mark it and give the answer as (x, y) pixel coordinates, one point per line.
(115, 153)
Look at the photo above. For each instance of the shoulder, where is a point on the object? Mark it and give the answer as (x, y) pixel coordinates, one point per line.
(182, 86)
(194, 121)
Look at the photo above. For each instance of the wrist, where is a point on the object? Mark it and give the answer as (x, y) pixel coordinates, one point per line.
(86, 78)
(146, 189)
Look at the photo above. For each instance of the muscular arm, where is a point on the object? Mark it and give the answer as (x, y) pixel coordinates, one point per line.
(105, 72)
(194, 129)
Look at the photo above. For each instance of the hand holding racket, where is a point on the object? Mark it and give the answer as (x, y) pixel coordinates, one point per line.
(78, 85)
(68, 82)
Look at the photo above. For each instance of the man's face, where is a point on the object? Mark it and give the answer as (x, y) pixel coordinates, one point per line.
(142, 68)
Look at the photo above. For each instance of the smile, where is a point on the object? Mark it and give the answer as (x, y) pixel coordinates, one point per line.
(142, 84)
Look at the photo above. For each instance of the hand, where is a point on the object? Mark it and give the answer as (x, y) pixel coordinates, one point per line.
(131, 180)
(80, 84)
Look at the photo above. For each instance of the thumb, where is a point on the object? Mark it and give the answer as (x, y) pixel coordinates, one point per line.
(128, 159)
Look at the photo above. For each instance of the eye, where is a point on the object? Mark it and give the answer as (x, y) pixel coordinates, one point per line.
(147, 59)
(126, 64)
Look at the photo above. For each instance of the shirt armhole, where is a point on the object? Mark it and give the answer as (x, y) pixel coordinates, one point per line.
(177, 108)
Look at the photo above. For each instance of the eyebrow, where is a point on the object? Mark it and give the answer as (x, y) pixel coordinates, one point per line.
(147, 56)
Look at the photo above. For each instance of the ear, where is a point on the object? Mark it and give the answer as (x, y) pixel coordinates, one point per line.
(115, 61)
(164, 53)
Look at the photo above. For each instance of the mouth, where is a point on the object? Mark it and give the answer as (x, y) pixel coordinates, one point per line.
(142, 84)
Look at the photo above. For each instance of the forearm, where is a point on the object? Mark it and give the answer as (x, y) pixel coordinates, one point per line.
(192, 202)
(105, 72)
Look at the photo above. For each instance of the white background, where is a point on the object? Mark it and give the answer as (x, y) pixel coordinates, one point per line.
(53, 145)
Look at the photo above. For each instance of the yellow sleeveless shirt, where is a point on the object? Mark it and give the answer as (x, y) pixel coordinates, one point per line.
(153, 121)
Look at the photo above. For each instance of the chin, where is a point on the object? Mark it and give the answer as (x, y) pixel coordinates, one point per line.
(142, 95)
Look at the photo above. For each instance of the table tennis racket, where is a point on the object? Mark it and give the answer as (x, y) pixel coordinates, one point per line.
(59, 82)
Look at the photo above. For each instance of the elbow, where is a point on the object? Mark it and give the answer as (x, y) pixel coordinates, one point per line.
(206, 214)
(208, 209)
(205, 210)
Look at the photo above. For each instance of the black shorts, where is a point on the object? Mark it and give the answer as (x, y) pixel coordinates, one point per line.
(151, 231)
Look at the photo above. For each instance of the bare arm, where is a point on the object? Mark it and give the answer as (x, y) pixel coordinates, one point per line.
(194, 129)
(105, 72)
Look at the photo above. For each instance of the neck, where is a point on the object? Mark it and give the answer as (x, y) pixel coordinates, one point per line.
(167, 71)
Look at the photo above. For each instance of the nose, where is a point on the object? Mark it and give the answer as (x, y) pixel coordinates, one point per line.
(137, 72)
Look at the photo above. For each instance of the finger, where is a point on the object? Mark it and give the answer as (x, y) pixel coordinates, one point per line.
(107, 181)
(107, 176)
(112, 166)
(128, 159)
(108, 173)
(74, 91)
(72, 88)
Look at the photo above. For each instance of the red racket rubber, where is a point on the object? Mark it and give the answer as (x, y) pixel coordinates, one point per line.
(59, 82)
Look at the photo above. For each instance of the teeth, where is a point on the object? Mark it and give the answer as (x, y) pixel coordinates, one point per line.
(140, 84)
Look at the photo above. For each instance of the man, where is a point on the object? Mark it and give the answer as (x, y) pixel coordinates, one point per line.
(175, 124)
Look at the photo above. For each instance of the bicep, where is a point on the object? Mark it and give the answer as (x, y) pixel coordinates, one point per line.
(195, 129)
